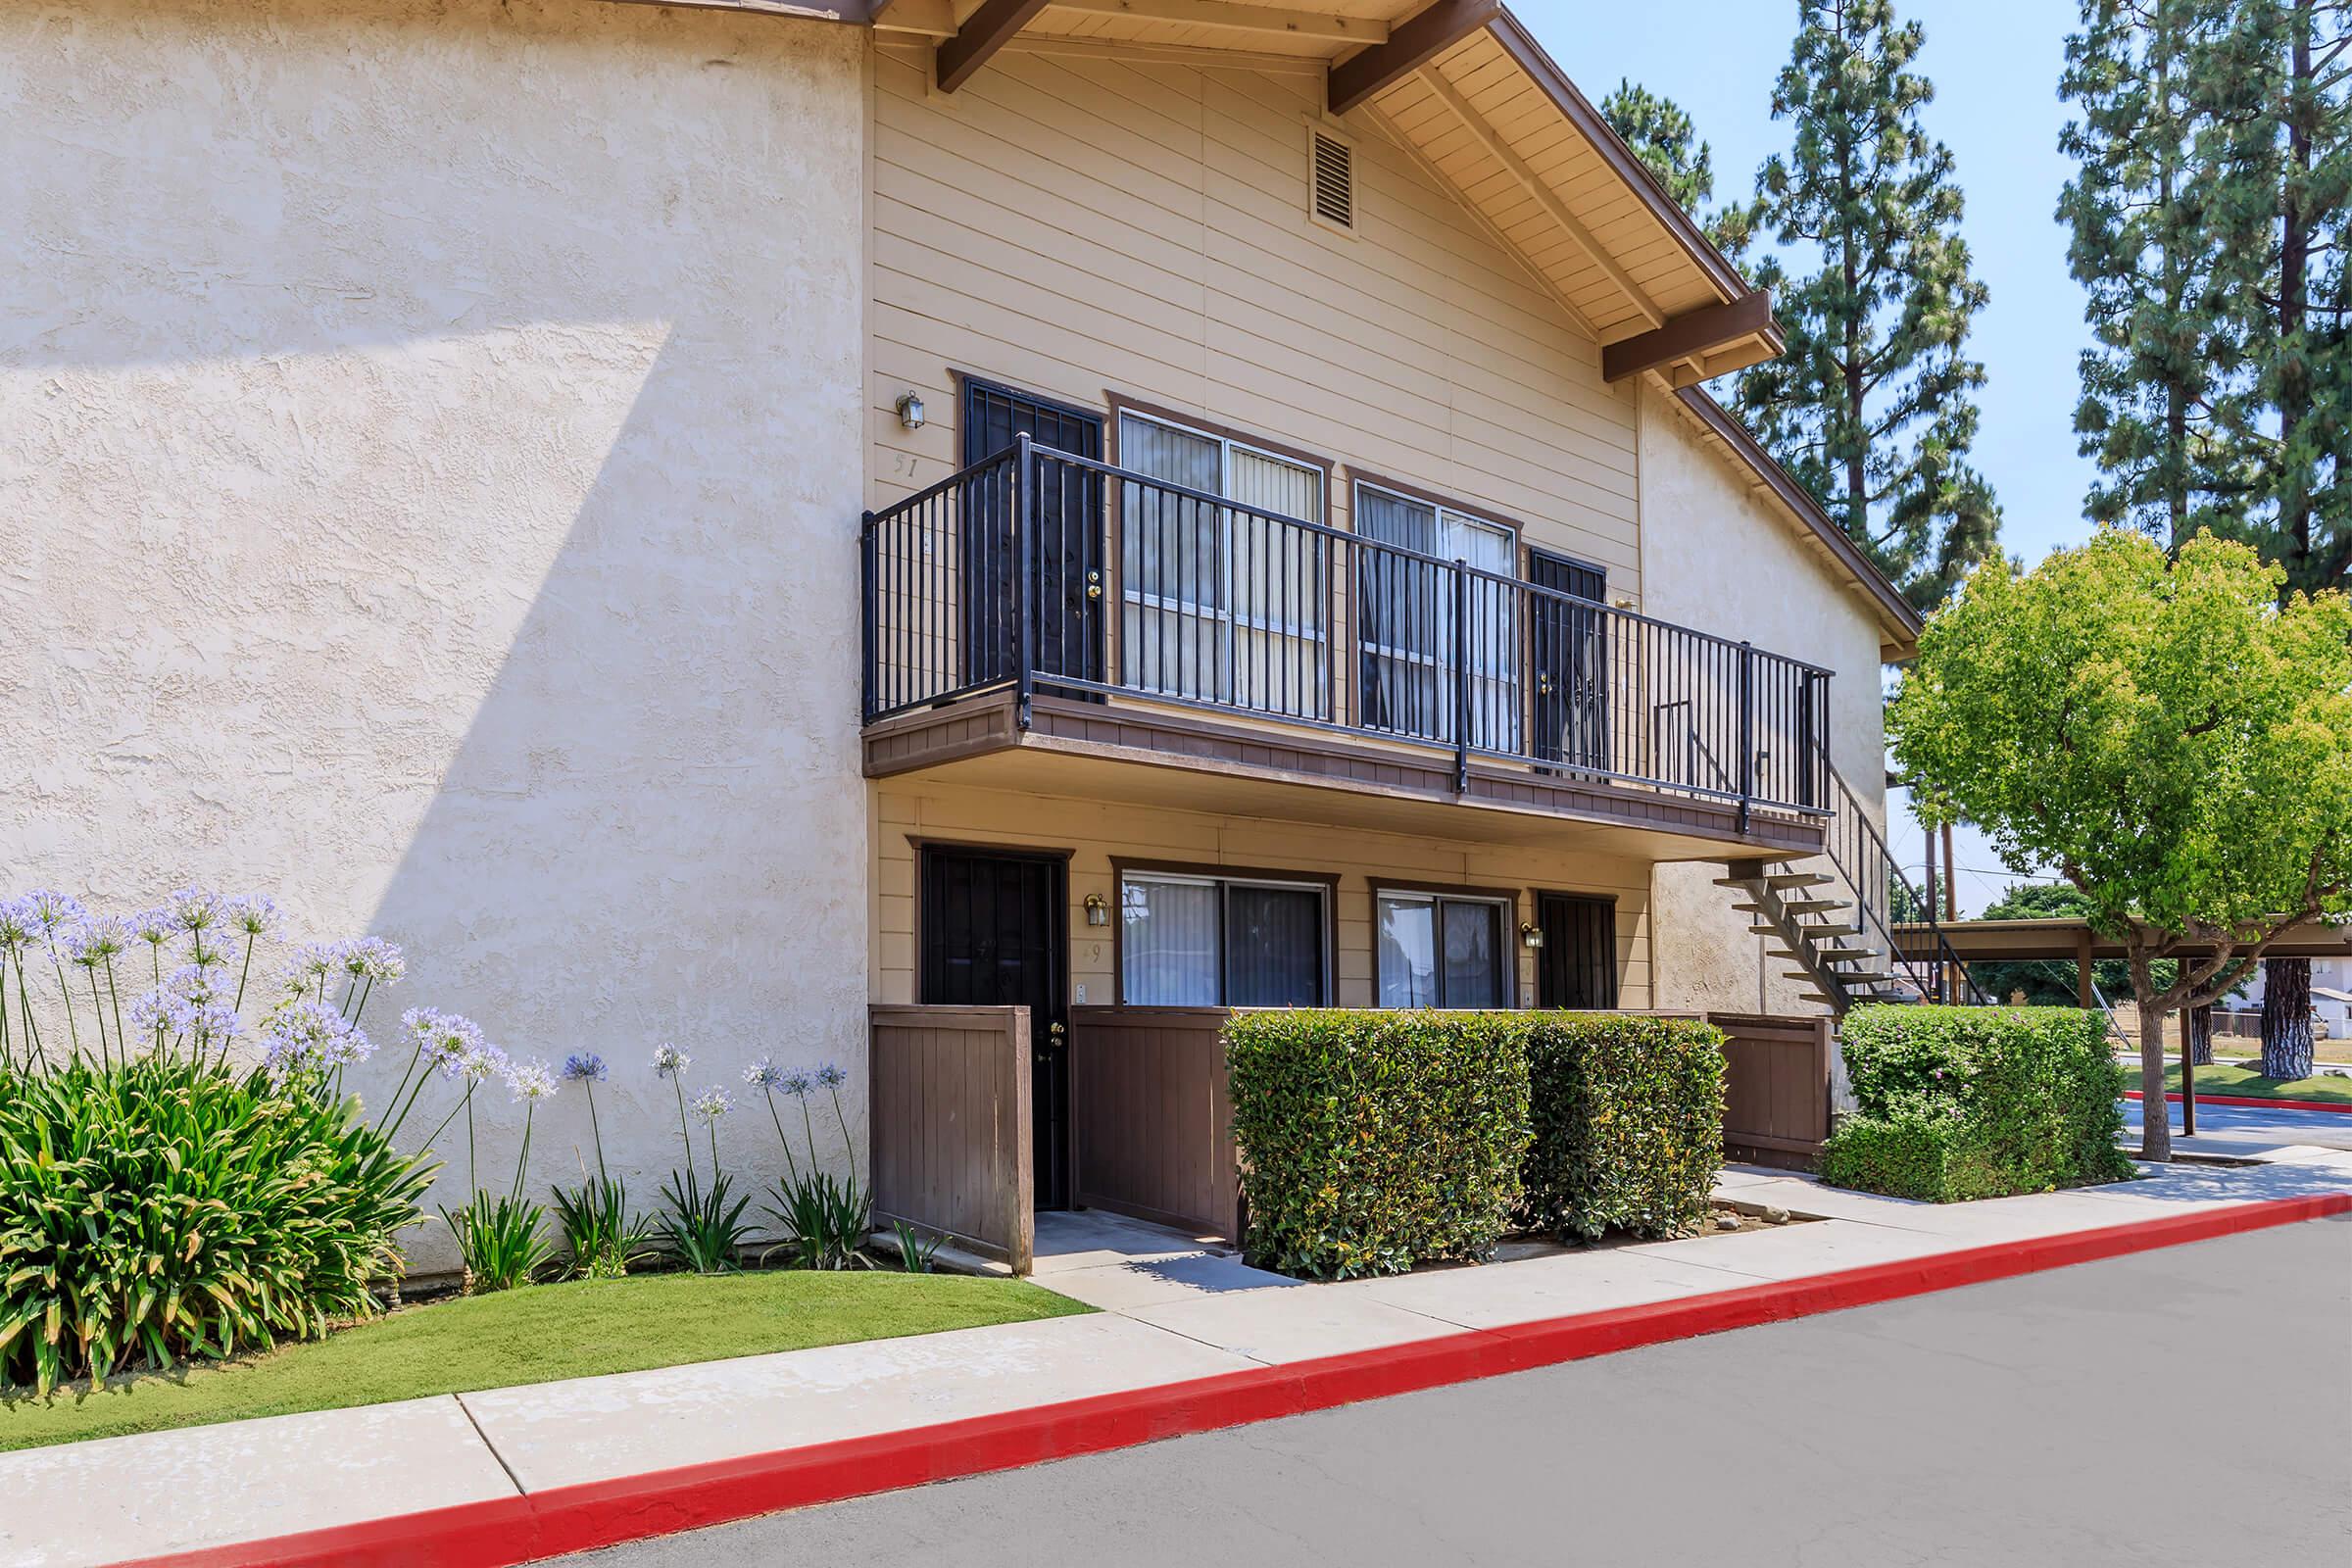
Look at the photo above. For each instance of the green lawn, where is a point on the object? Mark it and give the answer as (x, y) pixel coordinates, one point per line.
(2219, 1080)
(534, 1335)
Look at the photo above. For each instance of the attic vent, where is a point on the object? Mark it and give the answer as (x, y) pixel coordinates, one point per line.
(1335, 180)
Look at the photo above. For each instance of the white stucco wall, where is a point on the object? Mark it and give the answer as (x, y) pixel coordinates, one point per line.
(1716, 558)
(429, 471)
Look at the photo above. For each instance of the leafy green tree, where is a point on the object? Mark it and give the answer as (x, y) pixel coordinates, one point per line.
(1661, 135)
(2140, 245)
(1873, 405)
(2271, 174)
(2050, 983)
(2163, 734)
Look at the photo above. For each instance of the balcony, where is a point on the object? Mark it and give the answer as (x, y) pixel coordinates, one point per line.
(1046, 621)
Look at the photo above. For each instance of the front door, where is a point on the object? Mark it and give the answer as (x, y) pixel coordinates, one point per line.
(993, 936)
(1578, 965)
(1069, 538)
(1568, 648)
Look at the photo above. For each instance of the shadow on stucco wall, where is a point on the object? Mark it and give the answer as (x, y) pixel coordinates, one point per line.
(433, 433)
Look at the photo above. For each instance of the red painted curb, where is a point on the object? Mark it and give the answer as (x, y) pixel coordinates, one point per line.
(2259, 1102)
(604, 1513)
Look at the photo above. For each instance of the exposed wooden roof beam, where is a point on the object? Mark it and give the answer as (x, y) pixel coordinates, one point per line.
(1544, 194)
(1690, 335)
(1503, 242)
(1239, 17)
(1411, 44)
(984, 32)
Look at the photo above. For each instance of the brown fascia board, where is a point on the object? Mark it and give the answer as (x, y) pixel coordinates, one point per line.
(1411, 44)
(1544, 72)
(1894, 609)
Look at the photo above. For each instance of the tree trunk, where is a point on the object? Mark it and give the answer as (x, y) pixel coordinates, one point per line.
(2200, 1035)
(2155, 1114)
(2286, 1041)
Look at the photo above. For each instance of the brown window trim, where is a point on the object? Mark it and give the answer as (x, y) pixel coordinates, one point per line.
(1432, 498)
(1121, 403)
(1329, 881)
(1516, 996)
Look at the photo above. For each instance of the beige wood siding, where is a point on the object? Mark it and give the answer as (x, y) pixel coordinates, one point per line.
(1075, 226)
(1095, 832)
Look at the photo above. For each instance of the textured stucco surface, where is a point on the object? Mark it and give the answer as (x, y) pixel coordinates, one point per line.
(429, 469)
(1713, 556)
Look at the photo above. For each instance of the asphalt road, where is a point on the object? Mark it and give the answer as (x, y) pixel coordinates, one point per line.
(2191, 1404)
(2262, 1125)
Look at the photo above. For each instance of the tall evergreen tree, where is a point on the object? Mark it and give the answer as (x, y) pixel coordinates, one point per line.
(2140, 246)
(1873, 405)
(1661, 135)
(2271, 169)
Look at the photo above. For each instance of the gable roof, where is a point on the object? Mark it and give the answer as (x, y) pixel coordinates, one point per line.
(1464, 87)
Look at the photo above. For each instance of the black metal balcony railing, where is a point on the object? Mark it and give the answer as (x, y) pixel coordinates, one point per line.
(1883, 898)
(1039, 571)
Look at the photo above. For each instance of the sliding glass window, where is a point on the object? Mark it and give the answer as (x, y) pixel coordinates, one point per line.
(1438, 951)
(1406, 614)
(1222, 604)
(1207, 942)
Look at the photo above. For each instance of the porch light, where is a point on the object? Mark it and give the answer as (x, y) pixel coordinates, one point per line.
(1531, 936)
(911, 410)
(1096, 912)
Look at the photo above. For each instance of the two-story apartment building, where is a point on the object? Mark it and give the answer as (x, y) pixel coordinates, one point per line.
(702, 522)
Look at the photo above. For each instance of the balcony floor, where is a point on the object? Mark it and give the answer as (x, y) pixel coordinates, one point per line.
(1148, 755)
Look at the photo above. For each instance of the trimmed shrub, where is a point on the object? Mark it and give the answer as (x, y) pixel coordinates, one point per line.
(162, 1210)
(1961, 1102)
(1371, 1140)
(1628, 1122)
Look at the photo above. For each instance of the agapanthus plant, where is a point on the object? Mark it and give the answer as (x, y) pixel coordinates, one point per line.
(702, 1225)
(825, 1218)
(603, 1237)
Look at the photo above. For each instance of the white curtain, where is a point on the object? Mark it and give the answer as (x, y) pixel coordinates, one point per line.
(1168, 942)
(1279, 598)
(1407, 616)
(1174, 624)
(1408, 966)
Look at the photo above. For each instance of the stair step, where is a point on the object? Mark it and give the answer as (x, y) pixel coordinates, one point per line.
(1838, 953)
(1777, 879)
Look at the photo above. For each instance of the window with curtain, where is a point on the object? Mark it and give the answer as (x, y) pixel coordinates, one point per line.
(1205, 942)
(1437, 952)
(1407, 610)
(1224, 604)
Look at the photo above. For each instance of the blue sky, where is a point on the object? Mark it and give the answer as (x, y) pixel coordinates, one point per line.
(1994, 65)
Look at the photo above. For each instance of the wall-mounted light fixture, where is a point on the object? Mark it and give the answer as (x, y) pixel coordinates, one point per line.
(911, 410)
(1531, 936)
(1098, 912)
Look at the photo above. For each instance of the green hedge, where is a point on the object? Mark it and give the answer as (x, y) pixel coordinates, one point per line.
(1961, 1102)
(1628, 1121)
(1374, 1140)
(1371, 1140)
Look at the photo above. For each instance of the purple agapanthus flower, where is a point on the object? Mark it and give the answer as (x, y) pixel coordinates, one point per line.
(763, 1075)
(49, 910)
(795, 1083)
(253, 914)
(585, 1067)
(530, 1080)
(669, 1061)
(711, 1103)
(374, 960)
(192, 908)
(18, 929)
(830, 1076)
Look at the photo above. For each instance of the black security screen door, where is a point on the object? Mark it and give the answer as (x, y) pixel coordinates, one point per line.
(1568, 649)
(1069, 538)
(993, 936)
(1578, 966)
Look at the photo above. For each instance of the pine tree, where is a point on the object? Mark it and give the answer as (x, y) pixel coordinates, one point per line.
(1661, 135)
(1872, 406)
(2141, 248)
(2271, 171)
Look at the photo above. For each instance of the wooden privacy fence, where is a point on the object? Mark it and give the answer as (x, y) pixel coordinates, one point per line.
(950, 1118)
(1150, 1117)
(1776, 1085)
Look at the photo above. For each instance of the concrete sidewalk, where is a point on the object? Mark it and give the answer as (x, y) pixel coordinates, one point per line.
(1171, 1312)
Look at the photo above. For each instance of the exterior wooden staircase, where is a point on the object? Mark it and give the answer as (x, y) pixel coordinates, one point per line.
(1833, 917)
(1818, 931)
